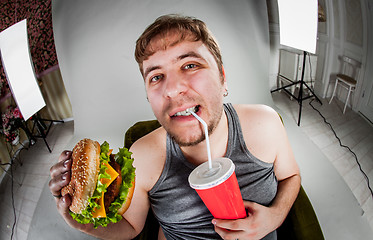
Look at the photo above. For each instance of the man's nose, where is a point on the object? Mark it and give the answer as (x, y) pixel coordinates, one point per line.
(175, 85)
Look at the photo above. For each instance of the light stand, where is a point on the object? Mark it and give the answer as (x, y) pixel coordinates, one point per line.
(298, 29)
(42, 129)
(19, 70)
(302, 83)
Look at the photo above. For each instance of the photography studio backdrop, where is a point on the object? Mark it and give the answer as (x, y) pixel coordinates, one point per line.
(95, 42)
(16, 59)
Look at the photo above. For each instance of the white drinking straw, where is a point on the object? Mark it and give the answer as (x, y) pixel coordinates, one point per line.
(207, 137)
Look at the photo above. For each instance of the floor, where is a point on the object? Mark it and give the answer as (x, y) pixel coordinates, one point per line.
(353, 130)
(29, 180)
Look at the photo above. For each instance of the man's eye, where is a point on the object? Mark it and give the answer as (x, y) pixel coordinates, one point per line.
(155, 78)
(190, 66)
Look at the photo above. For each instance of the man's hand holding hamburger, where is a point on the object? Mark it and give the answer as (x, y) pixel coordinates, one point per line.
(92, 185)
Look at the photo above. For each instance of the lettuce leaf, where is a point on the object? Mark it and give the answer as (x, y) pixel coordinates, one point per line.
(123, 158)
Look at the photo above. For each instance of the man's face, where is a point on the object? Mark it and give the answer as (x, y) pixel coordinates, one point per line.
(180, 77)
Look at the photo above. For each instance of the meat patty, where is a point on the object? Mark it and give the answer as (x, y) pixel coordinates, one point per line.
(113, 189)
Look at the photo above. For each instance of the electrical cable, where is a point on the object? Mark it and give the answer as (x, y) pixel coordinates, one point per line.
(5, 164)
(344, 146)
(11, 163)
(14, 209)
(309, 60)
(335, 134)
(12, 195)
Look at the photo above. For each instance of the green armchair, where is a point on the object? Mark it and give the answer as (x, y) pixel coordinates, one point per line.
(300, 224)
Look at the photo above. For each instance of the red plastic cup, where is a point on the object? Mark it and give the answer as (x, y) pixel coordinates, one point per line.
(218, 188)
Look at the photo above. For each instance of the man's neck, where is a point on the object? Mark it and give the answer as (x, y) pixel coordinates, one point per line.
(218, 144)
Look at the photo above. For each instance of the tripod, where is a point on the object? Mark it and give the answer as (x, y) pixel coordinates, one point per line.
(300, 97)
(42, 128)
(39, 124)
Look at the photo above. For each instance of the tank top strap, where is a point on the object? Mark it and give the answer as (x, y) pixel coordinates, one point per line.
(235, 137)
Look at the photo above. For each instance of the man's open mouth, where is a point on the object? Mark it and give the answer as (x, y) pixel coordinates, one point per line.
(187, 111)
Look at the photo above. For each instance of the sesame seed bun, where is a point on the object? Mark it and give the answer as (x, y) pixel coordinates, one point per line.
(84, 174)
(85, 171)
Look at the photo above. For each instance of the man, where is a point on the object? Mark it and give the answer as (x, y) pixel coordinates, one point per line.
(182, 69)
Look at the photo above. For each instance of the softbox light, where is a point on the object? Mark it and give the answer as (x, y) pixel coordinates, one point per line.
(19, 70)
(298, 29)
(298, 24)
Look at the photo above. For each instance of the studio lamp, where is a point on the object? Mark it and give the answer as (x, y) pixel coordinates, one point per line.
(15, 55)
(298, 29)
(19, 70)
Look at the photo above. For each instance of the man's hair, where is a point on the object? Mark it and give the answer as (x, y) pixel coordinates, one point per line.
(188, 28)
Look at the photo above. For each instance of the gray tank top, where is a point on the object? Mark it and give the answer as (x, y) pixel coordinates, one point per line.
(178, 208)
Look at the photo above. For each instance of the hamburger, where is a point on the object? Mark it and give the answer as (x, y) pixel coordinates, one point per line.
(102, 183)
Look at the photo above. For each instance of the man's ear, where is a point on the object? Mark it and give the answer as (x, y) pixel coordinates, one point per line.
(224, 78)
(223, 71)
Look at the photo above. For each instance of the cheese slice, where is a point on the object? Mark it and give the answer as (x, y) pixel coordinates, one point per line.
(113, 175)
(100, 212)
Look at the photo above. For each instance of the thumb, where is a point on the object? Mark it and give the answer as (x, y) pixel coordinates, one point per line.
(63, 206)
(249, 206)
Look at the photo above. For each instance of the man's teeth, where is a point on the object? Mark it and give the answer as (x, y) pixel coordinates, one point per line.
(186, 112)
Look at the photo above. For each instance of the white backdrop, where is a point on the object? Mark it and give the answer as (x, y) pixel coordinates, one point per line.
(16, 59)
(95, 42)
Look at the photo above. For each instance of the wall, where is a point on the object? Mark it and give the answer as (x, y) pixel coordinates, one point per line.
(57, 102)
(44, 58)
(343, 33)
(39, 29)
(275, 46)
(366, 101)
(95, 43)
(345, 37)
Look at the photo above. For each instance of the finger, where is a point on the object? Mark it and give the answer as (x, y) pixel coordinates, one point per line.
(57, 183)
(63, 165)
(233, 225)
(229, 234)
(63, 205)
(249, 206)
(65, 155)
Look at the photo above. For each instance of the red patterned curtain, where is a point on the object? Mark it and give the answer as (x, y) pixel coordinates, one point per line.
(40, 32)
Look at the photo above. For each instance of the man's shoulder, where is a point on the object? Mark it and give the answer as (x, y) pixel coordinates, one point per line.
(258, 120)
(154, 141)
(261, 126)
(149, 153)
(259, 112)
